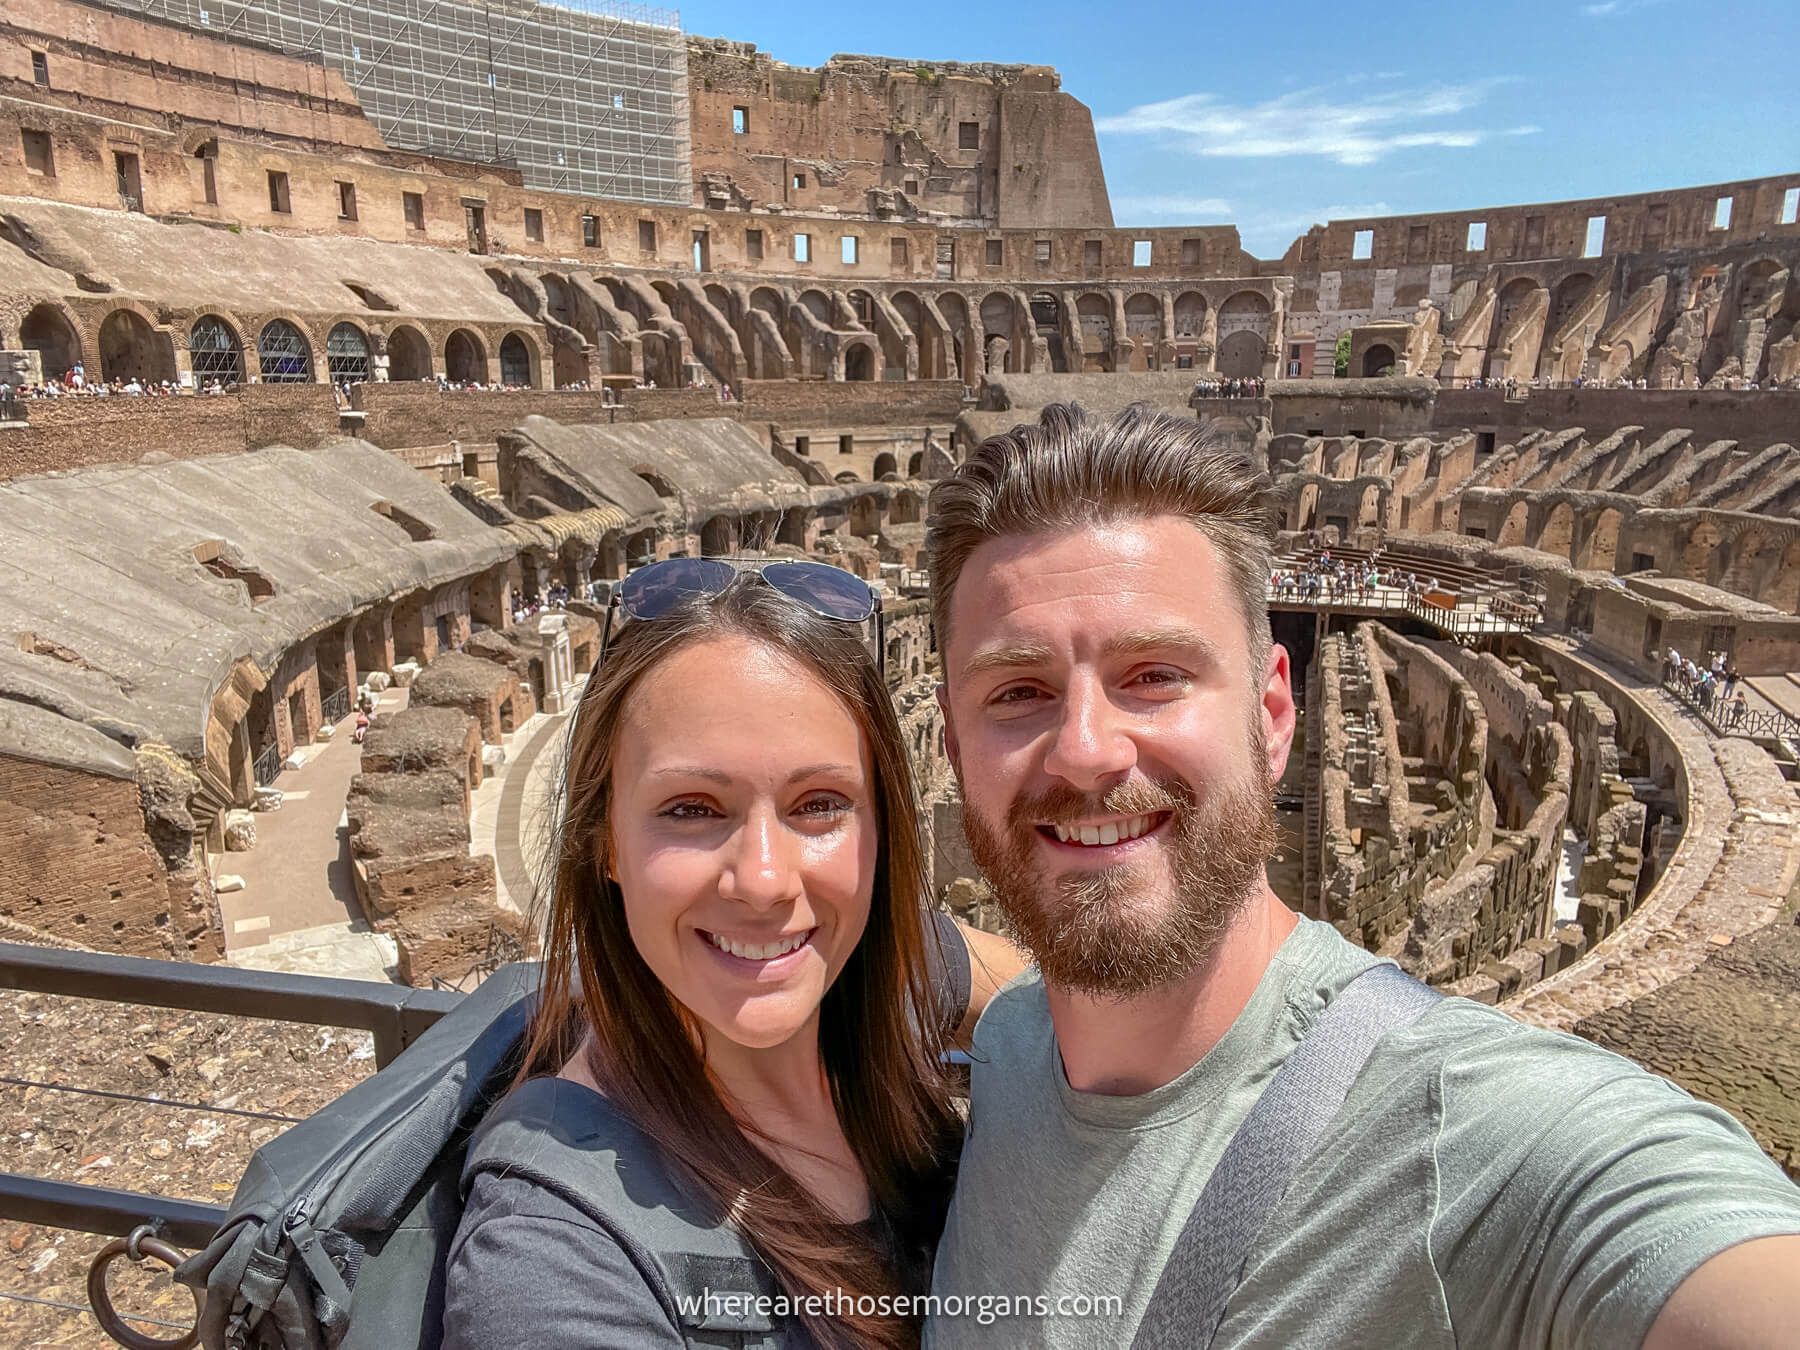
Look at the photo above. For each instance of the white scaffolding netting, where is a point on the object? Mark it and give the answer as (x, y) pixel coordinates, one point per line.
(586, 97)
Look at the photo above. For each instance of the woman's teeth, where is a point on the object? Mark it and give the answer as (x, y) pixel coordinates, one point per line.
(1110, 833)
(759, 951)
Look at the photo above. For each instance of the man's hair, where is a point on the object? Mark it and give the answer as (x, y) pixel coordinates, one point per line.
(1072, 471)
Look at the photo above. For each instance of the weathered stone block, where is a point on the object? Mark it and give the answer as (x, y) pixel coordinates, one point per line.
(267, 799)
(240, 831)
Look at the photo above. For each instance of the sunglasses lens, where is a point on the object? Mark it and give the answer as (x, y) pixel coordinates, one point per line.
(653, 591)
(825, 590)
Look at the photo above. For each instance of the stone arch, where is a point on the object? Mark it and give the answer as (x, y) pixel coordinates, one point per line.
(1512, 528)
(1241, 355)
(409, 354)
(1697, 549)
(932, 357)
(465, 358)
(859, 361)
(1190, 314)
(1369, 507)
(347, 354)
(1512, 295)
(1599, 549)
(1782, 588)
(817, 304)
(1556, 534)
(1094, 316)
(131, 349)
(1755, 285)
(1143, 325)
(865, 517)
(906, 509)
(283, 354)
(955, 310)
(518, 362)
(1306, 508)
(1569, 293)
(215, 351)
(715, 538)
(885, 464)
(48, 331)
(791, 529)
(1378, 359)
(1745, 561)
(999, 320)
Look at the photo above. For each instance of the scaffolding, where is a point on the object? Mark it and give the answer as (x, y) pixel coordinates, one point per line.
(587, 97)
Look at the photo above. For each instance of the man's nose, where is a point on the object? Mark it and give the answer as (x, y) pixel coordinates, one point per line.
(760, 870)
(1092, 746)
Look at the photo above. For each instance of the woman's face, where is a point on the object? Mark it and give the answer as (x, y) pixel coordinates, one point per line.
(744, 835)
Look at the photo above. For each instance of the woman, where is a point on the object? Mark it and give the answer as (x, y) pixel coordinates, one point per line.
(735, 980)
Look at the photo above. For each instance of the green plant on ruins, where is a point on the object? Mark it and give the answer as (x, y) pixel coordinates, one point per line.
(1340, 359)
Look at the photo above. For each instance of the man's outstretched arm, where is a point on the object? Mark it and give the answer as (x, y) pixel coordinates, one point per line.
(1745, 1298)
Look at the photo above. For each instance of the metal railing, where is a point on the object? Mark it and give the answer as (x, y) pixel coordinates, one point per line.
(335, 706)
(1728, 716)
(1502, 614)
(395, 1015)
(266, 767)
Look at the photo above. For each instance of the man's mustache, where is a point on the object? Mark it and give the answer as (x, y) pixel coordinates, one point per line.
(1064, 805)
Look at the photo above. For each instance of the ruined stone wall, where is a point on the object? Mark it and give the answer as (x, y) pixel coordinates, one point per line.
(80, 867)
(1754, 417)
(77, 433)
(1492, 910)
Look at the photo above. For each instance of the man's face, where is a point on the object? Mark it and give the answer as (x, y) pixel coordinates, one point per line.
(1115, 746)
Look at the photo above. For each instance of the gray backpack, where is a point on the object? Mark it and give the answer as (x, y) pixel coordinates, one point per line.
(339, 1233)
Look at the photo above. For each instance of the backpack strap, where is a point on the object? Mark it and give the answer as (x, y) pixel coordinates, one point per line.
(1258, 1165)
(573, 1142)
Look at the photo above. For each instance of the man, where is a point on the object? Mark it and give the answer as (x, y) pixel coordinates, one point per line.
(1117, 717)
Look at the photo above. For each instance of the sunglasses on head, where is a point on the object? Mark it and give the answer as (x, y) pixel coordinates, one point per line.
(827, 591)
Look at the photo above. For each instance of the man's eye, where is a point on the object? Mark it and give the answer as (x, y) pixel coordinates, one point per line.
(1162, 677)
(1018, 693)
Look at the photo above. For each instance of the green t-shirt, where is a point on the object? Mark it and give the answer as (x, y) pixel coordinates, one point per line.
(1485, 1184)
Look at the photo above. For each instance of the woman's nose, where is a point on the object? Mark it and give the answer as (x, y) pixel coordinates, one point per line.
(760, 870)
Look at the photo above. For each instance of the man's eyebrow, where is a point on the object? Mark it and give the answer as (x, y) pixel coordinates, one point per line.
(1007, 656)
(1140, 641)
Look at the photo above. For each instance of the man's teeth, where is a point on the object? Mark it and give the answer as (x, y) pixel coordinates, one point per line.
(759, 951)
(1110, 833)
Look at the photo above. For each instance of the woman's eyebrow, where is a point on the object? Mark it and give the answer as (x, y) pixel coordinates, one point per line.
(724, 779)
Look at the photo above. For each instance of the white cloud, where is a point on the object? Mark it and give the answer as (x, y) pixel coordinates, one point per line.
(1145, 209)
(1606, 9)
(1296, 222)
(1315, 121)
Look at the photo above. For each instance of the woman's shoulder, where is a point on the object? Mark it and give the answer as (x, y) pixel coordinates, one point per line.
(576, 1230)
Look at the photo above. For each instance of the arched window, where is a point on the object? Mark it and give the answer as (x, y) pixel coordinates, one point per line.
(515, 362)
(214, 351)
(464, 361)
(283, 355)
(347, 354)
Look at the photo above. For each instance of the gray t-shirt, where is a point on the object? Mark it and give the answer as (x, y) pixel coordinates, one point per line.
(1485, 1184)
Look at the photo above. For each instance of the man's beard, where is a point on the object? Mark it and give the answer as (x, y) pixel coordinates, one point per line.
(1136, 926)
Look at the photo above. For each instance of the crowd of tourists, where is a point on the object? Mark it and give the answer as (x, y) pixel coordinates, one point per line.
(1324, 577)
(1513, 385)
(1232, 388)
(1713, 684)
(74, 383)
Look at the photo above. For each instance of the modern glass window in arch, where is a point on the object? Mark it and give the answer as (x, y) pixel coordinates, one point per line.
(347, 354)
(214, 353)
(283, 354)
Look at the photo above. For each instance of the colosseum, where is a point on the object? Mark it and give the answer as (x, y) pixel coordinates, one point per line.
(342, 374)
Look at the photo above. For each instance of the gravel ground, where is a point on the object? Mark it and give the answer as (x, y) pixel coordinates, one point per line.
(203, 1059)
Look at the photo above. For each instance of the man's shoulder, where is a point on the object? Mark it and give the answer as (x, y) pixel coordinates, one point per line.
(1018, 1013)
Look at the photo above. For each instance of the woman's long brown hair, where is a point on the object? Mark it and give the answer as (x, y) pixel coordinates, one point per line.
(880, 1026)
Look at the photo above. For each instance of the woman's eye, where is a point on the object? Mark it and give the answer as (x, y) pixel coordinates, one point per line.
(689, 811)
(823, 806)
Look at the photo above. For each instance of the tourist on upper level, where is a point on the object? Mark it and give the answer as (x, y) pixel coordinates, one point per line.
(746, 1003)
(1200, 1104)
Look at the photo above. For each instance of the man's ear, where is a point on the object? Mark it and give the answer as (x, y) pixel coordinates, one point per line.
(951, 748)
(1277, 710)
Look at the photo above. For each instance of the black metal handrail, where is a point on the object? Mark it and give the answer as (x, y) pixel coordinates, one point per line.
(1728, 717)
(266, 767)
(335, 706)
(395, 1015)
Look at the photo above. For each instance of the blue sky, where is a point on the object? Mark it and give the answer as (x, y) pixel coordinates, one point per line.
(1271, 117)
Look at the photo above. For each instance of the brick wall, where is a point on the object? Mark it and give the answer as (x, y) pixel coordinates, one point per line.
(78, 864)
(75, 433)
